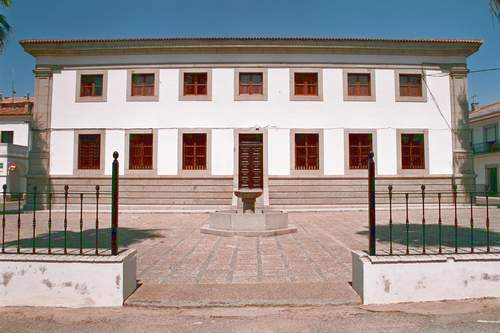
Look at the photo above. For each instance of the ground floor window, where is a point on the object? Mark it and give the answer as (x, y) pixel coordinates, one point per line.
(360, 145)
(141, 152)
(194, 151)
(89, 151)
(307, 151)
(7, 136)
(412, 151)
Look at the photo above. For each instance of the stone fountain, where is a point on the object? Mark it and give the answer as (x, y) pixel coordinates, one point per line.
(247, 220)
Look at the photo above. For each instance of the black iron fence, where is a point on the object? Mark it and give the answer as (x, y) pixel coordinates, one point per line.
(60, 231)
(434, 221)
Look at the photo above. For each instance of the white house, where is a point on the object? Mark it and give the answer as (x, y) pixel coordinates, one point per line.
(15, 118)
(485, 141)
(194, 118)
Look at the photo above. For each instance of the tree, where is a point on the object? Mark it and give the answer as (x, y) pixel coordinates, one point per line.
(495, 8)
(4, 25)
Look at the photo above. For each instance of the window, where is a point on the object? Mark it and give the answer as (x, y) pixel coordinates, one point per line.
(490, 134)
(358, 84)
(7, 136)
(143, 84)
(195, 84)
(410, 85)
(141, 152)
(360, 145)
(89, 151)
(412, 151)
(91, 85)
(307, 151)
(251, 84)
(306, 84)
(194, 151)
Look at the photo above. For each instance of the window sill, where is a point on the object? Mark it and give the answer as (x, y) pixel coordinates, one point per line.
(88, 99)
(195, 98)
(250, 97)
(348, 98)
(421, 99)
(140, 172)
(142, 99)
(317, 98)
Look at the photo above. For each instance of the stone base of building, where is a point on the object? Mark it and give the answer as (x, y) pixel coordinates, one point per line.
(67, 280)
(212, 193)
(422, 278)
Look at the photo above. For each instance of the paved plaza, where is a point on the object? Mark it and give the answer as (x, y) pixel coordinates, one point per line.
(178, 265)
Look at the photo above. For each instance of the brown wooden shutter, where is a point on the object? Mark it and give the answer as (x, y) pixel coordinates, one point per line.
(360, 145)
(141, 152)
(412, 151)
(89, 151)
(194, 151)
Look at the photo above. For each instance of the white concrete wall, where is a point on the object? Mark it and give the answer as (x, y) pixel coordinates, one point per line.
(167, 151)
(21, 131)
(115, 141)
(67, 281)
(62, 152)
(278, 113)
(222, 152)
(383, 280)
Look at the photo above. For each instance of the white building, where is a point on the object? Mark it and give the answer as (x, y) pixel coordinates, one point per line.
(485, 140)
(192, 119)
(15, 117)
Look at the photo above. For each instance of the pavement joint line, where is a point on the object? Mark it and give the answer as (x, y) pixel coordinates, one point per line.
(342, 244)
(259, 260)
(175, 265)
(232, 265)
(306, 253)
(205, 264)
(284, 259)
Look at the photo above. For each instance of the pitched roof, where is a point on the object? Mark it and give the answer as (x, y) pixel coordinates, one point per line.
(15, 107)
(340, 44)
(485, 112)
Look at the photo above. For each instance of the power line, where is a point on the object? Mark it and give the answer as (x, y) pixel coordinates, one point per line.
(468, 72)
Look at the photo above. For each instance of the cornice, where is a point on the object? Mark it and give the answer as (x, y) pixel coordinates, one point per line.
(462, 47)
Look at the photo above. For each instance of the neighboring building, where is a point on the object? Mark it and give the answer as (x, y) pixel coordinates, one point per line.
(485, 142)
(194, 118)
(15, 117)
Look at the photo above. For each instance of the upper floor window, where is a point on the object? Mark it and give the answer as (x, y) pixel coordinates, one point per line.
(359, 84)
(196, 84)
(490, 134)
(141, 151)
(143, 84)
(410, 85)
(194, 151)
(91, 85)
(306, 151)
(7, 136)
(251, 84)
(306, 84)
(89, 151)
(360, 145)
(412, 151)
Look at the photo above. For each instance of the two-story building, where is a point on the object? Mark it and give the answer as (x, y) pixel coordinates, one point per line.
(485, 142)
(195, 118)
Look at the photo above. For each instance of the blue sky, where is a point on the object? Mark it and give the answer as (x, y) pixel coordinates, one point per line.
(346, 18)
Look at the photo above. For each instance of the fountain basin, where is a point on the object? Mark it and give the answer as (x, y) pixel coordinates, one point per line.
(237, 223)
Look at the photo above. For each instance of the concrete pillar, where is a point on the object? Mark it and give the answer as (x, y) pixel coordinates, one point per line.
(38, 174)
(462, 158)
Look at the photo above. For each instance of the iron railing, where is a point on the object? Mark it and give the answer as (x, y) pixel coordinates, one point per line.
(431, 221)
(77, 233)
(486, 147)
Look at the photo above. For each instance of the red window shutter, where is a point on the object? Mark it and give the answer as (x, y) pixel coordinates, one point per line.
(195, 84)
(412, 151)
(306, 84)
(89, 151)
(360, 145)
(307, 151)
(141, 152)
(410, 85)
(251, 84)
(194, 151)
(91, 85)
(358, 84)
(143, 84)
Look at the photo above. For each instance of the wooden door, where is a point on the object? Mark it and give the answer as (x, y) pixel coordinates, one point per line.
(250, 161)
(492, 175)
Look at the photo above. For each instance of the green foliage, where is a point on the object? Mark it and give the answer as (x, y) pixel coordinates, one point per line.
(4, 25)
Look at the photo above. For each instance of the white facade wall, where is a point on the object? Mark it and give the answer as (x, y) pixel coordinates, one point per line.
(21, 131)
(278, 115)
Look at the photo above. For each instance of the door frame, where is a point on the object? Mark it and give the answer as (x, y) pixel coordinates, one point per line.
(264, 199)
(487, 168)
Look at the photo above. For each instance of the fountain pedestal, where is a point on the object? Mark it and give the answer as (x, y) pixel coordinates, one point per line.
(248, 221)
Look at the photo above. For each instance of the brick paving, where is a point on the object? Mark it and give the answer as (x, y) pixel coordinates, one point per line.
(172, 251)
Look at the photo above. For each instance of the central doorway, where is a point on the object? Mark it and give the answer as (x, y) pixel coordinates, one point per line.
(250, 161)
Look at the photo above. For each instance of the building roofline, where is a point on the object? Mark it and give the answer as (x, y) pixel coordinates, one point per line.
(485, 112)
(37, 47)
